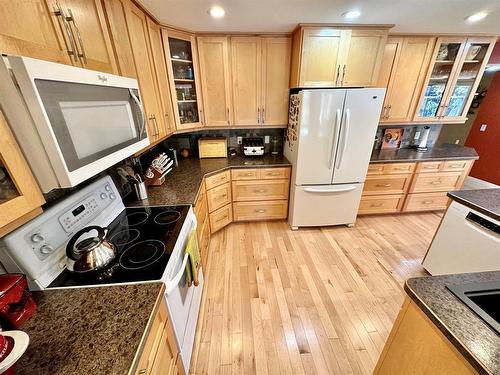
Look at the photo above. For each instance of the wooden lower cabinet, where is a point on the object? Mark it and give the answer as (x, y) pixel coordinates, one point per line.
(260, 190)
(391, 184)
(160, 353)
(381, 204)
(221, 217)
(219, 196)
(426, 201)
(203, 224)
(416, 346)
(217, 179)
(263, 210)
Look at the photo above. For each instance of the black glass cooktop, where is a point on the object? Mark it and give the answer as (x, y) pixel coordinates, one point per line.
(144, 238)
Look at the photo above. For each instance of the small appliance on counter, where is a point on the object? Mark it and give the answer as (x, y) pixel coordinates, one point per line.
(253, 146)
(16, 302)
(424, 138)
(212, 147)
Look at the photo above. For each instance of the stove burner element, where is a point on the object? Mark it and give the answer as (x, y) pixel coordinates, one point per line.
(142, 254)
(124, 237)
(134, 219)
(167, 217)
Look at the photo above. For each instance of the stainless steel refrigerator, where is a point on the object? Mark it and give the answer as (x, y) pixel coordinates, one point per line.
(329, 141)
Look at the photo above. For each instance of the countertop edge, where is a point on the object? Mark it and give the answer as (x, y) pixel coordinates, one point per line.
(473, 361)
(147, 330)
(473, 206)
(413, 160)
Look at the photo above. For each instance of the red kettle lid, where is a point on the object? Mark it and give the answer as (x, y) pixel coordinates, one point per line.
(10, 280)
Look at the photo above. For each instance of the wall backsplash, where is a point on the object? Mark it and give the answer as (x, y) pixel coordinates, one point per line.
(409, 134)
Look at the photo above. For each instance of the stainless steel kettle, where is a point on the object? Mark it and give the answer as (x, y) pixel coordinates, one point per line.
(91, 253)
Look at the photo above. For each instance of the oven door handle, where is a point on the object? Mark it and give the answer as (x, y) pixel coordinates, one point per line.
(174, 281)
(141, 110)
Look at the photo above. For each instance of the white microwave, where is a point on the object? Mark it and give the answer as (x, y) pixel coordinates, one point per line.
(71, 123)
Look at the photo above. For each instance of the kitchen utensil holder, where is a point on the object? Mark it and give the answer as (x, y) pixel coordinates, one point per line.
(141, 191)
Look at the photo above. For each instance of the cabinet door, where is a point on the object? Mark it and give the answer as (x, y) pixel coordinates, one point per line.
(26, 29)
(363, 58)
(165, 119)
(215, 80)
(275, 78)
(390, 58)
(444, 64)
(472, 63)
(320, 65)
(182, 64)
(246, 70)
(138, 31)
(116, 16)
(90, 33)
(165, 361)
(20, 197)
(406, 79)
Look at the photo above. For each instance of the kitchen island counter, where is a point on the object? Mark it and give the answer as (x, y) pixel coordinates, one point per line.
(439, 152)
(95, 330)
(182, 185)
(486, 201)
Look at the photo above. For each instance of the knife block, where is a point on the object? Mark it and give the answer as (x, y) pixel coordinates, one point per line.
(156, 180)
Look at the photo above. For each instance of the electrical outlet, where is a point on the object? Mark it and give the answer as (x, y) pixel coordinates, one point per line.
(483, 127)
(239, 140)
(266, 139)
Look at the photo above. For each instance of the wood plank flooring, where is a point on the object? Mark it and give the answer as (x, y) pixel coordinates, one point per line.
(313, 301)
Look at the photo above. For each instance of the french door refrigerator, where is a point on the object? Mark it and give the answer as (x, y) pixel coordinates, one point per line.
(329, 141)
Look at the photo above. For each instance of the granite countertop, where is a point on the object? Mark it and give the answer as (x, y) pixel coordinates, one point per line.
(486, 201)
(444, 151)
(96, 330)
(477, 342)
(182, 185)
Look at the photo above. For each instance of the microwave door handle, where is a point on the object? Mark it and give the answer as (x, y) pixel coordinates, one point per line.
(347, 124)
(141, 109)
(174, 281)
(338, 116)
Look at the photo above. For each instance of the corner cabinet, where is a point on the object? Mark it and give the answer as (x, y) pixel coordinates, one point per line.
(455, 70)
(20, 197)
(182, 65)
(337, 57)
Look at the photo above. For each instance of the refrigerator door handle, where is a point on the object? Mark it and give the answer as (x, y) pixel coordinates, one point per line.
(329, 190)
(347, 124)
(338, 116)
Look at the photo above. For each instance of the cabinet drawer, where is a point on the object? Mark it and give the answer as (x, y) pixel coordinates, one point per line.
(390, 168)
(274, 173)
(220, 218)
(455, 165)
(380, 204)
(263, 210)
(426, 201)
(218, 197)
(393, 184)
(245, 174)
(429, 166)
(434, 182)
(218, 179)
(260, 190)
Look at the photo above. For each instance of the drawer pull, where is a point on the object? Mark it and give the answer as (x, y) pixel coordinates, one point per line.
(401, 169)
(222, 218)
(250, 174)
(383, 185)
(430, 167)
(261, 211)
(427, 202)
(456, 166)
(142, 371)
(376, 205)
(376, 169)
(260, 190)
(436, 182)
(273, 174)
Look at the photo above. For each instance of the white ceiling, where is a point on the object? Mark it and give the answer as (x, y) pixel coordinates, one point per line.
(429, 16)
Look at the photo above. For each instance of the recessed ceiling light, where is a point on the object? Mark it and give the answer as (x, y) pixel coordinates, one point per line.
(477, 17)
(352, 14)
(217, 11)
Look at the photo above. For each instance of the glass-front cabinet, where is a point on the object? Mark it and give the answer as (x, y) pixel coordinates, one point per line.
(453, 77)
(182, 66)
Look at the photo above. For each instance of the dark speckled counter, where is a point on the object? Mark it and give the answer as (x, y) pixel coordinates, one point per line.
(477, 342)
(96, 330)
(486, 201)
(182, 185)
(440, 152)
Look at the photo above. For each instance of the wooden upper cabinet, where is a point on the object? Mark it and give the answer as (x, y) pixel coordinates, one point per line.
(116, 15)
(20, 197)
(246, 71)
(275, 78)
(167, 123)
(87, 33)
(138, 31)
(403, 71)
(27, 30)
(215, 80)
(333, 57)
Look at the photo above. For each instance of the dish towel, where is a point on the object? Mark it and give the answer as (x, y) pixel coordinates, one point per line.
(193, 262)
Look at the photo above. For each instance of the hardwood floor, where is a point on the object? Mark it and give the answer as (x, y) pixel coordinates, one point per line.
(319, 300)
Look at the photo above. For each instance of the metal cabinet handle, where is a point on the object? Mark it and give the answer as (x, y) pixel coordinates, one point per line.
(273, 174)
(337, 76)
(143, 371)
(152, 118)
(376, 205)
(343, 75)
(227, 116)
(436, 182)
(389, 107)
(258, 115)
(81, 54)
(260, 190)
(261, 211)
(222, 218)
(400, 169)
(64, 26)
(383, 185)
(250, 174)
(263, 118)
(202, 117)
(456, 166)
(427, 202)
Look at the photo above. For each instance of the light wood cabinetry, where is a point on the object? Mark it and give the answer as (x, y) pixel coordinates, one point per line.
(203, 227)
(259, 190)
(221, 218)
(215, 77)
(219, 196)
(404, 66)
(218, 179)
(20, 197)
(160, 354)
(415, 345)
(334, 56)
(260, 210)
(219, 199)
(422, 186)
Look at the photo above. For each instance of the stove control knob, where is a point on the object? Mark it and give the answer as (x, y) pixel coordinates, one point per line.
(46, 249)
(112, 196)
(108, 188)
(104, 195)
(37, 237)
